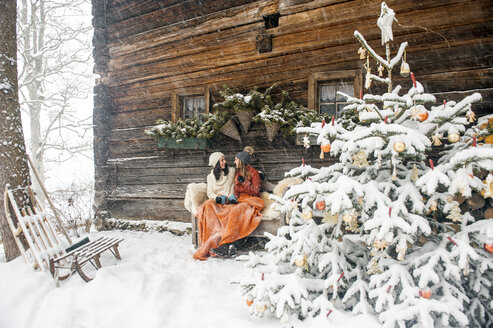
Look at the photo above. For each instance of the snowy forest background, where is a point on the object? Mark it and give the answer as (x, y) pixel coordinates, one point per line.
(55, 94)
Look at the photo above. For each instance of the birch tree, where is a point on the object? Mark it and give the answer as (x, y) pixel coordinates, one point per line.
(13, 161)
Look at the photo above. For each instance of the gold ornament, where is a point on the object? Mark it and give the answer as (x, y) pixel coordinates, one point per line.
(302, 262)
(368, 73)
(414, 174)
(454, 214)
(433, 205)
(374, 268)
(436, 139)
(322, 155)
(330, 218)
(380, 70)
(453, 137)
(471, 116)
(261, 307)
(362, 53)
(360, 200)
(394, 173)
(307, 214)
(351, 220)
(360, 159)
(399, 146)
(381, 244)
(487, 192)
(405, 70)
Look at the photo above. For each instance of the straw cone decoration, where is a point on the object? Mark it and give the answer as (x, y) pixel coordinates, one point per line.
(231, 130)
(245, 118)
(272, 130)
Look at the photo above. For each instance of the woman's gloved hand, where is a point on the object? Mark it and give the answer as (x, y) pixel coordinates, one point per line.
(221, 199)
(241, 179)
(232, 199)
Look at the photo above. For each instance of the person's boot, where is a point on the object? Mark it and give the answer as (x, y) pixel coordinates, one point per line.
(232, 250)
(220, 251)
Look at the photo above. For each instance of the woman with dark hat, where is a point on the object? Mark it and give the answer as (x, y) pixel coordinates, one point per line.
(220, 224)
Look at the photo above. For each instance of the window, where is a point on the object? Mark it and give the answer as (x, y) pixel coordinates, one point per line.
(193, 106)
(329, 102)
(323, 87)
(189, 103)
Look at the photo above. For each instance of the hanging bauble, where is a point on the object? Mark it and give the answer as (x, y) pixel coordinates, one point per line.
(381, 244)
(325, 147)
(414, 174)
(454, 214)
(249, 301)
(320, 205)
(330, 218)
(261, 307)
(362, 53)
(360, 159)
(453, 137)
(307, 214)
(399, 146)
(360, 200)
(405, 70)
(471, 116)
(423, 116)
(488, 247)
(302, 262)
(416, 111)
(368, 73)
(425, 293)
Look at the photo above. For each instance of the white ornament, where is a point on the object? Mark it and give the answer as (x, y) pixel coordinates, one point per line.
(385, 21)
(306, 142)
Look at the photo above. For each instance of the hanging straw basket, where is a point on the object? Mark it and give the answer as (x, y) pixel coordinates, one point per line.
(231, 130)
(245, 118)
(272, 130)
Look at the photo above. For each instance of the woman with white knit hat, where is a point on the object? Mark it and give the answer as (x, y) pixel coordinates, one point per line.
(220, 182)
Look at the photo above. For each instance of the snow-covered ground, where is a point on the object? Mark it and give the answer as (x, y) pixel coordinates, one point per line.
(156, 284)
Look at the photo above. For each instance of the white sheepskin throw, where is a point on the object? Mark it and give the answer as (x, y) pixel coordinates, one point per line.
(195, 195)
(279, 189)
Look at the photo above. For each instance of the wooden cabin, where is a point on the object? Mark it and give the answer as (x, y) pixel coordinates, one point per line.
(155, 56)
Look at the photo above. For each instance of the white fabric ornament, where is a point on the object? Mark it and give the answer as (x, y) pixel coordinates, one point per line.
(385, 21)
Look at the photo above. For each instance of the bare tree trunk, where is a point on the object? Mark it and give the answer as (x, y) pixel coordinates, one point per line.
(13, 162)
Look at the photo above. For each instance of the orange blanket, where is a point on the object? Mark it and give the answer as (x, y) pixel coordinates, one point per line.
(221, 224)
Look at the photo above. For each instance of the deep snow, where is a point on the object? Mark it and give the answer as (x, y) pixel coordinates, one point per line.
(156, 284)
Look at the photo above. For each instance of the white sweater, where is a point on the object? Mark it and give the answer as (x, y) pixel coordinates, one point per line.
(223, 186)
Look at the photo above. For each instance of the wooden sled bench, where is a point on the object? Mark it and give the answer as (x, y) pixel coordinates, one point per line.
(46, 251)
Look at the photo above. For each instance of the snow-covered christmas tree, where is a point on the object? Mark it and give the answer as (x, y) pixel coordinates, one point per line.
(383, 231)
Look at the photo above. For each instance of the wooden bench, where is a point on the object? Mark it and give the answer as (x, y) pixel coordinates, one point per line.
(46, 251)
(267, 224)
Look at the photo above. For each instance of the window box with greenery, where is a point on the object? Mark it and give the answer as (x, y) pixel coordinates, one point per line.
(188, 133)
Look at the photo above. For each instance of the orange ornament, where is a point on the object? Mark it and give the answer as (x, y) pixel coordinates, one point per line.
(325, 147)
(320, 205)
(249, 302)
(488, 247)
(425, 293)
(423, 116)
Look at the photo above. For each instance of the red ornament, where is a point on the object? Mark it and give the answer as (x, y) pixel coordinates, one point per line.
(386, 117)
(340, 277)
(488, 247)
(303, 161)
(361, 94)
(423, 116)
(451, 240)
(388, 289)
(390, 212)
(333, 118)
(262, 276)
(328, 313)
(444, 103)
(249, 302)
(474, 141)
(414, 79)
(431, 164)
(320, 205)
(323, 122)
(325, 147)
(425, 293)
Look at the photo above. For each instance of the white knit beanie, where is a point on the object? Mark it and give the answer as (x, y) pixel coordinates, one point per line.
(214, 158)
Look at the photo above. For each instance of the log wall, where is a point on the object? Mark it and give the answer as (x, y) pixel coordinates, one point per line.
(147, 51)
